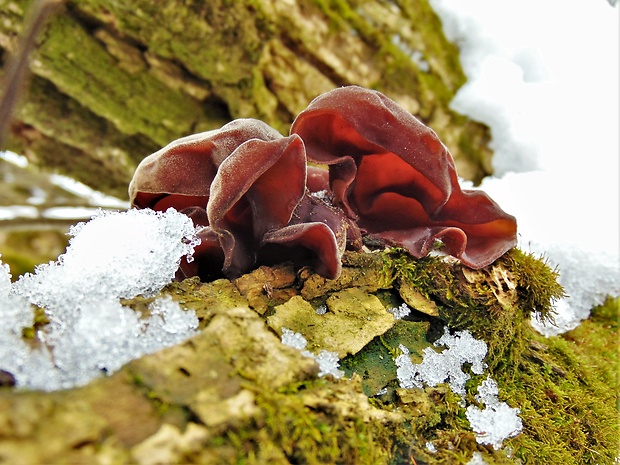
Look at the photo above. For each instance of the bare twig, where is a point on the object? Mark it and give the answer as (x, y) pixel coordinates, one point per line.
(17, 69)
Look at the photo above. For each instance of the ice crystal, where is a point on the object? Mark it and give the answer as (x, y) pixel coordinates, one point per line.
(321, 309)
(476, 459)
(293, 339)
(431, 447)
(400, 312)
(439, 367)
(497, 421)
(119, 255)
(113, 256)
(493, 424)
(328, 362)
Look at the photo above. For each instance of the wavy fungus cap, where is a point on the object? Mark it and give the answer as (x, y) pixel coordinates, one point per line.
(255, 201)
(185, 168)
(244, 185)
(393, 175)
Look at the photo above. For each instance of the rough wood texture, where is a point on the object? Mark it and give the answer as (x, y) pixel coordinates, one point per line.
(234, 394)
(115, 80)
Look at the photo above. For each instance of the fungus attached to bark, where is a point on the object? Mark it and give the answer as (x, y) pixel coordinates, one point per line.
(256, 202)
(393, 175)
(245, 187)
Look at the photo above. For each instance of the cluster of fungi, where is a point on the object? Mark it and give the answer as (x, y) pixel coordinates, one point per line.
(376, 172)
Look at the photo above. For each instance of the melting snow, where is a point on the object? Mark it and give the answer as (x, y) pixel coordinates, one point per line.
(113, 256)
(476, 459)
(328, 362)
(439, 367)
(400, 312)
(293, 339)
(497, 421)
(321, 309)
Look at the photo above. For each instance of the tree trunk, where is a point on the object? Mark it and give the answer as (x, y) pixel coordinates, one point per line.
(115, 80)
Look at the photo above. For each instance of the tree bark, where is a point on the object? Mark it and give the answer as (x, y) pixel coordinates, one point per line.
(235, 394)
(115, 80)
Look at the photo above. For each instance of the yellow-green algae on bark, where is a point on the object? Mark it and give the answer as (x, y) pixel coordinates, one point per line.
(235, 394)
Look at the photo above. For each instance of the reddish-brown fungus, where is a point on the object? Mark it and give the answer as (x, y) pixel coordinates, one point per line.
(245, 186)
(392, 174)
(255, 201)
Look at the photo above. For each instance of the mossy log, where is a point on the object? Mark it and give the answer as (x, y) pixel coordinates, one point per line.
(235, 394)
(115, 80)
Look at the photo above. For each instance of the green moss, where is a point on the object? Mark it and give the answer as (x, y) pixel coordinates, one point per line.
(303, 433)
(67, 121)
(538, 289)
(494, 303)
(73, 60)
(192, 33)
(567, 389)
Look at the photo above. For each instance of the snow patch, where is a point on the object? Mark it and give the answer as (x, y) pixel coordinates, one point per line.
(439, 367)
(476, 459)
(293, 339)
(321, 309)
(497, 421)
(400, 312)
(90, 333)
(328, 362)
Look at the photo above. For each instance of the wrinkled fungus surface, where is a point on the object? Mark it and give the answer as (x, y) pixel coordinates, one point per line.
(256, 202)
(393, 175)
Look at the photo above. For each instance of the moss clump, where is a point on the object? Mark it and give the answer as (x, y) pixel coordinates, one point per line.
(567, 388)
(494, 303)
(538, 289)
(312, 423)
